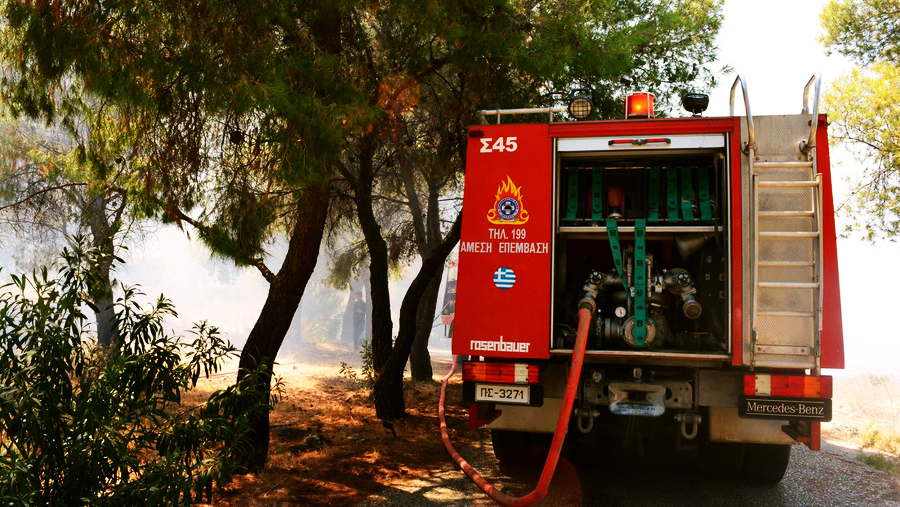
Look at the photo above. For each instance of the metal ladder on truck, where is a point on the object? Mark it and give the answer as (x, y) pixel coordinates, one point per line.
(785, 220)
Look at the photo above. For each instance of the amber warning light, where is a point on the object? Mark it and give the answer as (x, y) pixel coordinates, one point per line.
(639, 105)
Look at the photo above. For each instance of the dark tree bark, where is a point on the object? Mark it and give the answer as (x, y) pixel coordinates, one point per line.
(379, 297)
(367, 295)
(428, 236)
(419, 358)
(285, 291)
(105, 313)
(388, 391)
(104, 227)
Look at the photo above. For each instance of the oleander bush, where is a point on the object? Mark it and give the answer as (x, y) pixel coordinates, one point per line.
(86, 425)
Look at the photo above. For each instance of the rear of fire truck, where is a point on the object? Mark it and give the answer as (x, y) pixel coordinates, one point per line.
(704, 248)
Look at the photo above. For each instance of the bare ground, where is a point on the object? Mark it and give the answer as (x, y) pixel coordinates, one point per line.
(328, 448)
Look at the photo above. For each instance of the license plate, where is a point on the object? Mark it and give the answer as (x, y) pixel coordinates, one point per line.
(792, 409)
(503, 393)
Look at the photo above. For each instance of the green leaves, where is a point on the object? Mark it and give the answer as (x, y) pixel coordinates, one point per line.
(863, 108)
(164, 84)
(865, 115)
(864, 30)
(81, 425)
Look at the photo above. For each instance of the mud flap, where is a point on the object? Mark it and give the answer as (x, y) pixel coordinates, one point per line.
(806, 433)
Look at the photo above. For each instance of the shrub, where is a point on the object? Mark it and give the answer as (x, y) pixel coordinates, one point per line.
(82, 425)
(367, 380)
(887, 464)
(887, 442)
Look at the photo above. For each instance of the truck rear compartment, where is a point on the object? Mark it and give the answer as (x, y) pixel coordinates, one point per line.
(702, 276)
(681, 197)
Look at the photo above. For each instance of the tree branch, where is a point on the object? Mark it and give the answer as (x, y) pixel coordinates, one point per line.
(41, 192)
(266, 273)
(179, 215)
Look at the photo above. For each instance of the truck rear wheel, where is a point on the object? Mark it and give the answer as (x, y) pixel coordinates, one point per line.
(725, 460)
(510, 446)
(766, 463)
(519, 448)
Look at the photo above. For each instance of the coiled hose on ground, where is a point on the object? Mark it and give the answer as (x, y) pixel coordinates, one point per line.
(559, 435)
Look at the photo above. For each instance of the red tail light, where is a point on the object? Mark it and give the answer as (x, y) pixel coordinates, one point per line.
(794, 386)
(503, 373)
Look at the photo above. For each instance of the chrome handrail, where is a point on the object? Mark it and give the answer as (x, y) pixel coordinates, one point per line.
(821, 252)
(809, 83)
(531, 110)
(810, 143)
(751, 134)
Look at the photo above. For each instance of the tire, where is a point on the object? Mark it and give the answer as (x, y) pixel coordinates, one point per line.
(519, 448)
(510, 447)
(725, 460)
(766, 463)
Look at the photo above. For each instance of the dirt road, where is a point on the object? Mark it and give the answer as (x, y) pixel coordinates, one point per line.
(828, 478)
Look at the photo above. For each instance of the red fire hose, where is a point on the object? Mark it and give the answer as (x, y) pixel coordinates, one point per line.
(584, 319)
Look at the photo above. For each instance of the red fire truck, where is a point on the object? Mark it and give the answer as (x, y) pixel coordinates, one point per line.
(696, 255)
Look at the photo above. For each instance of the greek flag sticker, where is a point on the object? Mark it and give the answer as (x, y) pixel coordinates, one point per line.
(504, 278)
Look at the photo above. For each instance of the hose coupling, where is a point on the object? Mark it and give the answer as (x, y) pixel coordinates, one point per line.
(691, 307)
(591, 288)
(678, 281)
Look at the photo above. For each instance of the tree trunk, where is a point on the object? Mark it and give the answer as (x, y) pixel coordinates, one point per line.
(347, 322)
(428, 237)
(105, 313)
(103, 238)
(367, 294)
(285, 292)
(380, 298)
(388, 390)
(419, 358)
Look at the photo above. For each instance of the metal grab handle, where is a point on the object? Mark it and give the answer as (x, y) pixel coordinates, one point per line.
(810, 143)
(483, 114)
(751, 135)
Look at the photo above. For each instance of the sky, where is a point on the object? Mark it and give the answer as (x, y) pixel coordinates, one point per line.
(772, 44)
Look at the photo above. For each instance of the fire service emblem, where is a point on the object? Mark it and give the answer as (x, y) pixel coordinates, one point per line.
(508, 208)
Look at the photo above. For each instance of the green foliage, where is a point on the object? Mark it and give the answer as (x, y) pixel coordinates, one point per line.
(864, 30)
(227, 109)
(887, 442)
(367, 379)
(83, 425)
(887, 447)
(887, 464)
(236, 108)
(863, 109)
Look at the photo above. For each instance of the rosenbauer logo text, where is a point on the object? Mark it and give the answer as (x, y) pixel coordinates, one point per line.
(500, 346)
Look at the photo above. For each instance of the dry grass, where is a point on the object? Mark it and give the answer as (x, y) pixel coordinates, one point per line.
(866, 416)
(328, 448)
(861, 402)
